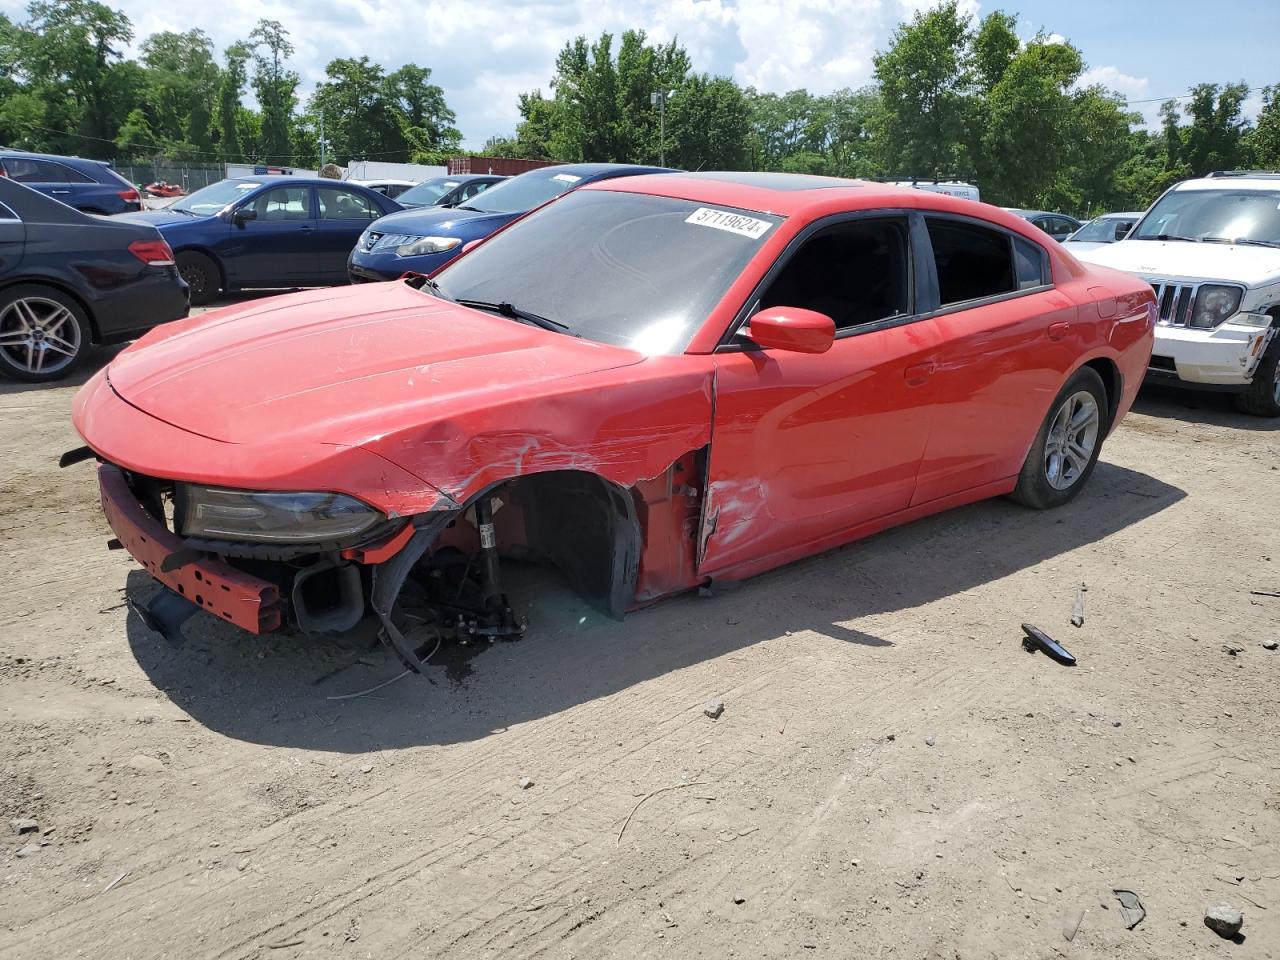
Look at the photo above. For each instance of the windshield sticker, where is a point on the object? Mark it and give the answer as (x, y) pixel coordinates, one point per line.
(733, 222)
(566, 177)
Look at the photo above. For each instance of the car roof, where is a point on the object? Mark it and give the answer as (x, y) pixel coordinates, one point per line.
(1019, 212)
(1126, 215)
(595, 169)
(265, 178)
(27, 154)
(1233, 182)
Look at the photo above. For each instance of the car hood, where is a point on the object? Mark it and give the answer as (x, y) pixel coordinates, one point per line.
(1179, 259)
(160, 218)
(344, 365)
(427, 221)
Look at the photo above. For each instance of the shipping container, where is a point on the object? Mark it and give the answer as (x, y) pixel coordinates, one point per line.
(501, 166)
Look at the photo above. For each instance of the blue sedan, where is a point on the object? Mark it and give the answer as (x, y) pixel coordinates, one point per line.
(267, 231)
(424, 240)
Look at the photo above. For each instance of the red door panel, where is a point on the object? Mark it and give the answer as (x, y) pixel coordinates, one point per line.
(804, 446)
(998, 368)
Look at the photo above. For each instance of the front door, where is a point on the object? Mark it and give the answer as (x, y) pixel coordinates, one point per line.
(277, 248)
(805, 448)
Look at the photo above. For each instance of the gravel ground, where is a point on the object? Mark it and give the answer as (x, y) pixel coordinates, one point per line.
(892, 775)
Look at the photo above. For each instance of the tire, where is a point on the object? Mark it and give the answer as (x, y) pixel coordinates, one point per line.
(1262, 397)
(202, 276)
(44, 333)
(1057, 466)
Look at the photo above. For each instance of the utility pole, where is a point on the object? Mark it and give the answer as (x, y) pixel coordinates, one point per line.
(659, 99)
(324, 144)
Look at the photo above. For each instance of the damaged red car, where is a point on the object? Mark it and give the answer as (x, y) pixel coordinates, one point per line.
(650, 383)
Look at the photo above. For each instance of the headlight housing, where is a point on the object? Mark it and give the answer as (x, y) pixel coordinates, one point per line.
(420, 246)
(261, 516)
(1215, 303)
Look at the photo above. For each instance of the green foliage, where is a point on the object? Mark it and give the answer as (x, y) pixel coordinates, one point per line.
(1262, 143)
(276, 88)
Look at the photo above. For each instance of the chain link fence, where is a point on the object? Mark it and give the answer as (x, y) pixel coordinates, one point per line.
(189, 176)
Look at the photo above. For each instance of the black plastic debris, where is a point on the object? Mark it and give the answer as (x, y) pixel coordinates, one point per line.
(1037, 639)
(165, 614)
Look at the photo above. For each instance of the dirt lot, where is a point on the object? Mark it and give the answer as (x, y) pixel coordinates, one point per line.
(892, 775)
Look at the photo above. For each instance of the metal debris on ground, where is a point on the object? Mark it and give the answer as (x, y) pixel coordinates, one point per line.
(649, 796)
(1071, 921)
(1077, 607)
(713, 709)
(1131, 908)
(1037, 639)
(1224, 920)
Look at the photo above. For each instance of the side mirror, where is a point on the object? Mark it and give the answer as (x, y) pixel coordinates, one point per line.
(792, 328)
(243, 215)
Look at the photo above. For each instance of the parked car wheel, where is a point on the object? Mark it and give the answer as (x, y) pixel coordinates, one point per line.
(43, 333)
(1262, 398)
(201, 275)
(1066, 449)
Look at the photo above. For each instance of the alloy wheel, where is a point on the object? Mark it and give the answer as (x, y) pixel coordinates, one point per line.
(38, 335)
(1073, 435)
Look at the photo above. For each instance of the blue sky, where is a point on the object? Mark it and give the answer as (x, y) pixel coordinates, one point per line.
(484, 52)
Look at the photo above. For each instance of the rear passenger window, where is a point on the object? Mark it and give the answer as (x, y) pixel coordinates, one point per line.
(973, 262)
(1033, 267)
(26, 170)
(70, 175)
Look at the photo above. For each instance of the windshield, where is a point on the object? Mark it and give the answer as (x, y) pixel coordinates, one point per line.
(209, 200)
(1103, 230)
(427, 192)
(628, 269)
(1226, 214)
(524, 192)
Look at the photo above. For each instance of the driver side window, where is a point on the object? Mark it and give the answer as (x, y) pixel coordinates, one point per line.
(856, 273)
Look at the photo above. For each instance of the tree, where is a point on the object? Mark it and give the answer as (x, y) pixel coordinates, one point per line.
(276, 88)
(426, 121)
(182, 81)
(1263, 142)
(71, 53)
(708, 121)
(1213, 139)
(923, 78)
(231, 83)
(360, 117)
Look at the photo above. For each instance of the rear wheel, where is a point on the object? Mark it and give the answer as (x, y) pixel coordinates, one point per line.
(43, 333)
(1262, 398)
(201, 275)
(1066, 449)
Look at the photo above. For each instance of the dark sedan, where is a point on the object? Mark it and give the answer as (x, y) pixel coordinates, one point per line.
(1057, 225)
(447, 191)
(88, 185)
(424, 240)
(266, 231)
(69, 279)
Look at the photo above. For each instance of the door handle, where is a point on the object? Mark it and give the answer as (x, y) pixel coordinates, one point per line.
(918, 373)
(1058, 330)
(305, 226)
(59, 191)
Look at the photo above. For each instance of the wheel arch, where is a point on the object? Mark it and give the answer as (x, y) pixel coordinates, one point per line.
(206, 252)
(1112, 382)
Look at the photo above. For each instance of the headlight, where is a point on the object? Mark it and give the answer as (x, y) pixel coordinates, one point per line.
(424, 245)
(219, 514)
(1214, 304)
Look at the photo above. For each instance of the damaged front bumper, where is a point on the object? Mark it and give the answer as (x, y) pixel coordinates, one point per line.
(211, 584)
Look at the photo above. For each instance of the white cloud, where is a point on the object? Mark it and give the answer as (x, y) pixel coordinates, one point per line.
(1130, 87)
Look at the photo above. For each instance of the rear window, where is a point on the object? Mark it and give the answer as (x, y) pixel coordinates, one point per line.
(28, 170)
(973, 262)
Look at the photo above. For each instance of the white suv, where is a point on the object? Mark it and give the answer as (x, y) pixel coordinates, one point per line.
(1211, 250)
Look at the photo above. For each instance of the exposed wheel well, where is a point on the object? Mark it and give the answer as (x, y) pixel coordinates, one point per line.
(585, 525)
(61, 287)
(1114, 384)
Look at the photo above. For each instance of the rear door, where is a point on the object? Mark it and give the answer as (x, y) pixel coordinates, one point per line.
(12, 239)
(343, 216)
(278, 247)
(43, 175)
(1004, 349)
(806, 447)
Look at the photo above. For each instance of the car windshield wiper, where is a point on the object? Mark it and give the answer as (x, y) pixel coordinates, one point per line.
(420, 282)
(472, 209)
(1172, 236)
(1250, 242)
(505, 309)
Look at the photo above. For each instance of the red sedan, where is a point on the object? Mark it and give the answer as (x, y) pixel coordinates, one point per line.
(652, 383)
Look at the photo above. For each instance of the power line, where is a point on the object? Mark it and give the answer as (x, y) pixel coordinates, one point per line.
(1181, 96)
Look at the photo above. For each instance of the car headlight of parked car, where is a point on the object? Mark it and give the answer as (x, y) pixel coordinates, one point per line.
(269, 516)
(1214, 304)
(420, 246)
